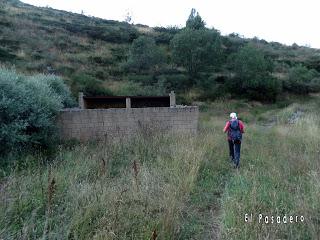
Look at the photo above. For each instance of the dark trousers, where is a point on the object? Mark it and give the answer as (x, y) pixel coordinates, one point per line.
(234, 151)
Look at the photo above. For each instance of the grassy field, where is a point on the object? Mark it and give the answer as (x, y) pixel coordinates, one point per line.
(175, 187)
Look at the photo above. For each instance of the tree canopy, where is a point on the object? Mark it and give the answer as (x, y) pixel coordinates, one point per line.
(253, 74)
(194, 21)
(196, 47)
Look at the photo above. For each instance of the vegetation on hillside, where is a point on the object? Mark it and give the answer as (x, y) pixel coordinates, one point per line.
(100, 56)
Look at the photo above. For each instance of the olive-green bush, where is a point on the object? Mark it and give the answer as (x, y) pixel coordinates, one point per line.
(28, 107)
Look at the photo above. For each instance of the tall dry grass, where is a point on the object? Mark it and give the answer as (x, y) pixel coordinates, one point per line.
(135, 189)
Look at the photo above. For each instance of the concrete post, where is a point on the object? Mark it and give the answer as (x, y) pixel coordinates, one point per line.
(81, 101)
(128, 102)
(172, 99)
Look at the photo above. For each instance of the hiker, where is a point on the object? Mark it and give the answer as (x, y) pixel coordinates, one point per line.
(235, 129)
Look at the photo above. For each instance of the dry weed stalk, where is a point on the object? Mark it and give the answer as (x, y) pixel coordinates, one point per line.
(154, 235)
(103, 168)
(135, 168)
(50, 193)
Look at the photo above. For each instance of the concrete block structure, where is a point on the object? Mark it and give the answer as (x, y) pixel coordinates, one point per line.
(99, 123)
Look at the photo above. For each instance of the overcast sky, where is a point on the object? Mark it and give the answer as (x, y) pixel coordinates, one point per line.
(285, 21)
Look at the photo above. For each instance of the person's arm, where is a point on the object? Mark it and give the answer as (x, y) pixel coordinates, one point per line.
(241, 126)
(226, 127)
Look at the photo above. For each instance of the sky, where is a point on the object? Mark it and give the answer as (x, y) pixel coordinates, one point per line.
(285, 21)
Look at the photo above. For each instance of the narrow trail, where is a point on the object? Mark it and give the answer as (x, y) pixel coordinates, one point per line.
(260, 128)
(215, 210)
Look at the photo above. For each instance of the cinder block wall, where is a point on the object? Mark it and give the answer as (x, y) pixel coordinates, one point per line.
(88, 124)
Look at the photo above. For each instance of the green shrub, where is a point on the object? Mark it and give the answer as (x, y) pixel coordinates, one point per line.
(196, 50)
(253, 75)
(195, 47)
(301, 80)
(111, 31)
(314, 85)
(119, 53)
(165, 35)
(144, 55)
(100, 60)
(60, 88)
(28, 107)
(175, 82)
(5, 55)
(89, 85)
(213, 87)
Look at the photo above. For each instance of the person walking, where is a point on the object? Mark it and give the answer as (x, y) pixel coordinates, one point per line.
(235, 129)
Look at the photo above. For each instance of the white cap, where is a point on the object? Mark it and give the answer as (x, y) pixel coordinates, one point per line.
(233, 115)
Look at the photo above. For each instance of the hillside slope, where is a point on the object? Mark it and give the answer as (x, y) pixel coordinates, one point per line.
(89, 52)
(57, 42)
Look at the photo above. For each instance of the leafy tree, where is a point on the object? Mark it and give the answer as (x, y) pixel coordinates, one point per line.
(253, 74)
(196, 47)
(194, 21)
(144, 54)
